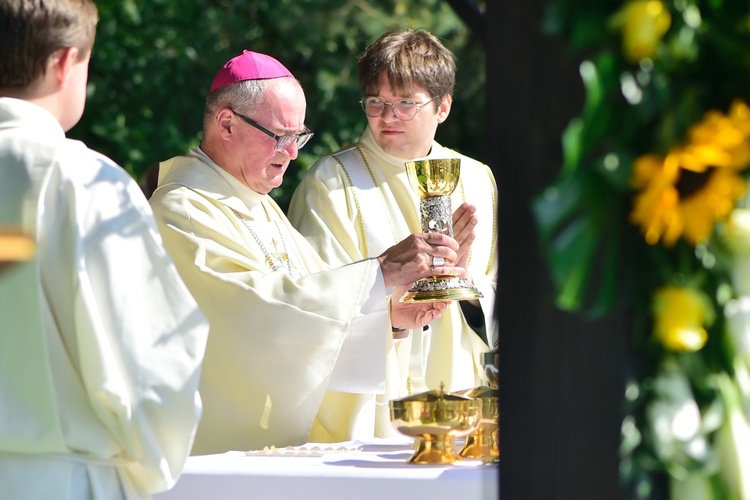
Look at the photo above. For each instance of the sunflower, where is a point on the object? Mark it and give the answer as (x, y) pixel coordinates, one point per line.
(695, 185)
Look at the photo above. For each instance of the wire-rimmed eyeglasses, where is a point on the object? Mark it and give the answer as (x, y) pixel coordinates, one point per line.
(282, 141)
(403, 109)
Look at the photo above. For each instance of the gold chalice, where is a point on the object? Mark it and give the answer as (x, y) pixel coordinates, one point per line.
(484, 442)
(435, 419)
(434, 181)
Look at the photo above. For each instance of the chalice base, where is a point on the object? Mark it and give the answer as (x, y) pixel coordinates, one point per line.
(434, 449)
(441, 288)
(481, 444)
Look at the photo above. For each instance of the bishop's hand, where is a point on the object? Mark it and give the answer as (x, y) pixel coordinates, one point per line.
(407, 315)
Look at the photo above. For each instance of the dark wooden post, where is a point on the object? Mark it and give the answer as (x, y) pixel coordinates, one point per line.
(561, 378)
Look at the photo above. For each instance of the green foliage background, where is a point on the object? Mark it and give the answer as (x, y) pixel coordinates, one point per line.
(600, 262)
(154, 60)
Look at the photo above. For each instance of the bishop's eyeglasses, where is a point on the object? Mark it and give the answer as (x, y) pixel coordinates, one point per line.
(282, 141)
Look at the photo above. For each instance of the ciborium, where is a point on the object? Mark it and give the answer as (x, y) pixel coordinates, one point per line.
(484, 442)
(434, 180)
(435, 419)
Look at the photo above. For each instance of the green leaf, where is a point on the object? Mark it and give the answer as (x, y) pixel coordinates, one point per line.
(579, 223)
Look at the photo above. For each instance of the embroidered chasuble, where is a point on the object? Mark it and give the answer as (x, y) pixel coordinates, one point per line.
(356, 203)
(296, 350)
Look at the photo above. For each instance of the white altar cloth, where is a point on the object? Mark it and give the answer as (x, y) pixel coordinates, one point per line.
(334, 471)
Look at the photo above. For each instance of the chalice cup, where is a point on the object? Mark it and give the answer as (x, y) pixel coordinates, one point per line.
(434, 180)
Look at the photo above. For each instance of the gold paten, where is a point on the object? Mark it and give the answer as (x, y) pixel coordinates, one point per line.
(435, 419)
(434, 181)
(484, 442)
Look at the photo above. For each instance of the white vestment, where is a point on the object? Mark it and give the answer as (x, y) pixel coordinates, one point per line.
(100, 341)
(290, 338)
(356, 203)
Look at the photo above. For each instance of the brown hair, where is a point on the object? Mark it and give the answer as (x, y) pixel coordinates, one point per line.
(409, 58)
(32, 30)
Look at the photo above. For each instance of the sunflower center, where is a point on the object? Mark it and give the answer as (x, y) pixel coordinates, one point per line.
(691, 182)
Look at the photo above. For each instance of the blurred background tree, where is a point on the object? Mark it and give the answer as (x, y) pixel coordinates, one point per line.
(154, 60)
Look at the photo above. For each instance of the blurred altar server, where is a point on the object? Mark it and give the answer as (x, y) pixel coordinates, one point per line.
(297, 349)
(100, 341)
(356, 202)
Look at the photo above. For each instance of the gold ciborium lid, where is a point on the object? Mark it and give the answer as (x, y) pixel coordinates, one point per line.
(484, 442)
(435, 419)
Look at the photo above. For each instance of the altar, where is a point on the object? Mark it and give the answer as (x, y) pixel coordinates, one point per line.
(375, 470)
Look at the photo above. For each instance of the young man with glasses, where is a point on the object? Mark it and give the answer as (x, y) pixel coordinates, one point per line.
(358, 201)
(297, 349)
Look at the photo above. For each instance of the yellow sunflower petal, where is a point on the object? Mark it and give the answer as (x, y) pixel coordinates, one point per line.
(700, 157)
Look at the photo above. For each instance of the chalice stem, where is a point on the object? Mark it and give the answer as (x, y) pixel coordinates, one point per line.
(436, 214)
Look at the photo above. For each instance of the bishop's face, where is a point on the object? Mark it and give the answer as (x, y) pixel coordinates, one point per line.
(255, 161)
